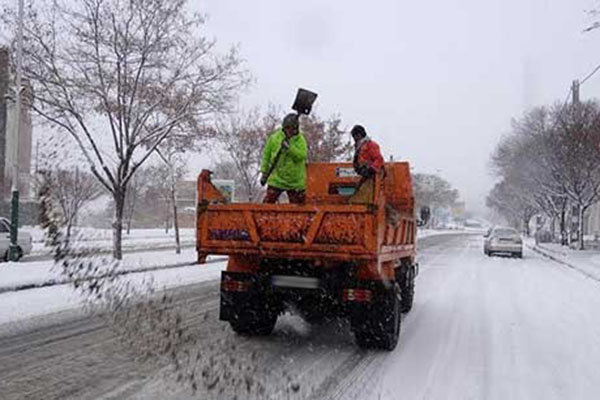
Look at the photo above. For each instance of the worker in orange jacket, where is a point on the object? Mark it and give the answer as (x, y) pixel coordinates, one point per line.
(368, 162)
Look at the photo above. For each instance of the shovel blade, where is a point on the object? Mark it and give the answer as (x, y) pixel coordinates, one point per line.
(304, 101)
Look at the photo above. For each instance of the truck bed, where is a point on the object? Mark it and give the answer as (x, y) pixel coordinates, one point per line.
(332, 231)
(326, 227)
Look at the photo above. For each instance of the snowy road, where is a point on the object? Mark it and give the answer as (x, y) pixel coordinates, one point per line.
(481, 328)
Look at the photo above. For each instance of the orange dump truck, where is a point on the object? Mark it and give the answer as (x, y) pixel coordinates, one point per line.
(335, 255)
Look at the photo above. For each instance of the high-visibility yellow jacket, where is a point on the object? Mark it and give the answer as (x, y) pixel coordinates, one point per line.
(290, 171)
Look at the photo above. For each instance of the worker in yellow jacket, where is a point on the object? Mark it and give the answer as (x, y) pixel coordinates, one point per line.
(289, 167)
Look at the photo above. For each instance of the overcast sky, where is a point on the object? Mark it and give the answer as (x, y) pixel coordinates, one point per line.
(434, 82)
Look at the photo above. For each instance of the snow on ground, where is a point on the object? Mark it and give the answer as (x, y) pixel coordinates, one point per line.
(37, 233)
(18, 274)
(17, 306)
(481, 328)
(101, 239)
(586, 261)
(129, 244)
(495, 328)
(422, 233)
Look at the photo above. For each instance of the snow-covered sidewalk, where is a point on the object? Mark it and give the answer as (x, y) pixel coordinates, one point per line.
(101, 239)
(586, 262)
(27, 275)
(51, 292)
(16, 307)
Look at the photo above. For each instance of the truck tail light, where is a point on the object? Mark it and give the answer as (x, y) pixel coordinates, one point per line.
(358, 295)
(234, 286)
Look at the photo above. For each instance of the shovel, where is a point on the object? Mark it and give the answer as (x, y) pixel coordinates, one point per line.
(302, 105)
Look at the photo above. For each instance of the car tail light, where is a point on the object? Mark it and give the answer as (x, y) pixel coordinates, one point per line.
(234, 286)
(359, 295)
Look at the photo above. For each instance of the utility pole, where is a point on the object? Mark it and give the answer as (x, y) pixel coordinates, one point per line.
(13, 249)
(575, 91)
(577, 211)
(4, 87)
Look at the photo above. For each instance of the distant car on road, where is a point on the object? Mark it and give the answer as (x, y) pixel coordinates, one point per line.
(24, 240)
(503, 240)
(473, 223)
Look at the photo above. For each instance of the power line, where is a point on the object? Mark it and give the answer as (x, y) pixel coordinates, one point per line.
(568, 96)
(590, 75)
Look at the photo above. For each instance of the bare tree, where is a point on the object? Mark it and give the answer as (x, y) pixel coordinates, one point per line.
(70, 191)
(226, 169)
(138, 187)
(433, 191)
(242, 138)
(171, 153)
(551, 161)
(327, 140)
(506, 199)
(531, 163)
(522, 191)
(121, 77)
(576, 156)
(158, 197)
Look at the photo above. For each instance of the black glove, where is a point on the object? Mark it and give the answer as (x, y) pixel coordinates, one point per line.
(365, 171)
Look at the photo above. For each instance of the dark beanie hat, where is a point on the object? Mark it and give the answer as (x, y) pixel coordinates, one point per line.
(290, 120)
(358, 130)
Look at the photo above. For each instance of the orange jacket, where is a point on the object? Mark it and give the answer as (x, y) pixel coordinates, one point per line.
(368, 155)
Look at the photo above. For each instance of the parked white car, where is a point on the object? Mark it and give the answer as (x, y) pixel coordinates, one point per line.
(503, 240)
(24, 240)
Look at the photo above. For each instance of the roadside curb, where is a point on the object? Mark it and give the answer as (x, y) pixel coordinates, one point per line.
(547, 254)
(55, 282)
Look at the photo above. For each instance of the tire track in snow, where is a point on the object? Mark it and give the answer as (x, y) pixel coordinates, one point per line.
(79, 359)
(446, 348)
(365, 378)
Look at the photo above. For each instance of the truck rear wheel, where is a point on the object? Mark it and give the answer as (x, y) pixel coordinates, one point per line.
(407, 288)
(408, 295)
(381, 329)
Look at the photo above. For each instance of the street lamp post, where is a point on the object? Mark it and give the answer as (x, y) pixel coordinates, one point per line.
(13, 250)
